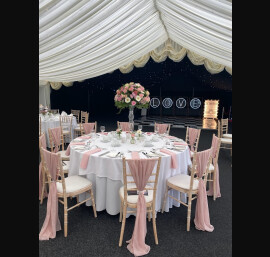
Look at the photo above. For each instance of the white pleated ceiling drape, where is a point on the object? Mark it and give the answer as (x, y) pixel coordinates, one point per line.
(79, 40)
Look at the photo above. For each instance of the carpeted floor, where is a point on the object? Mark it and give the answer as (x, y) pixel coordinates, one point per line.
(88, 236)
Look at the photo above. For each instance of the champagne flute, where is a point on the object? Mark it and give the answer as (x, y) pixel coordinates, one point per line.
(140, 127)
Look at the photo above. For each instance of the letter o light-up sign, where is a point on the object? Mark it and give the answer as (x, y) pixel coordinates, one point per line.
(195, 103)
(154, 102)
(167, 103)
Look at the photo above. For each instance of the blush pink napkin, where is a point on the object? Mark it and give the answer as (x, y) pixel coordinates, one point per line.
(210, 192)
(202, 219)
(174, 164)
(124, 126)
(179, 143)
(42, 139)
(162, 128)
(88, 127)
(141, 169)
(104, 133)
(56, 136)
(51, 223)
(67, 153)
(86, 156)
(171, 137)
(192, 135)
(149, 133)
(84, 137)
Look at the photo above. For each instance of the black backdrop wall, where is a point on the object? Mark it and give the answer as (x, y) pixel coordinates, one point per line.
(166, 79)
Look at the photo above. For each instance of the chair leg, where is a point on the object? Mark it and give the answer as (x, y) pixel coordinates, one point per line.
(214, 186)
(121, 211)
(189, 212)
(65, 217)
(93, 202)
(123, 224)
(165, 198)
(149, 214)
(77, 198)
(43, 188)
(154, 224)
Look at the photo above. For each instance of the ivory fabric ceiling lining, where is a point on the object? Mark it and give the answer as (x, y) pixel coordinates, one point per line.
(79, 40)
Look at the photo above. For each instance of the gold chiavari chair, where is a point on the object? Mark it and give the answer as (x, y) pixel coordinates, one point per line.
(224, 128)
(213, 169)
(226, 143)
(196, 143)
(130, 201)
(72, 186)
(84, 119)
(76, 113)
(61, 148)
(168, 128)
(94, 128)
(187, 184)
(66, 126)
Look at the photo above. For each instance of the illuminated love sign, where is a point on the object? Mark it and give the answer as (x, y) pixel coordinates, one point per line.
(181, 103)
(154, 102)
(167, 103)
(195, 103)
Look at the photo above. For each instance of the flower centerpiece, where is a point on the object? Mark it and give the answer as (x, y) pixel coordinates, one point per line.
(118, 132)
(132, 95)
(139, 133)
(132, 139)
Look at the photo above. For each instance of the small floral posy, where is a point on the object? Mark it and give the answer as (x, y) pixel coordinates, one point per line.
(118, 132)
(132, 94)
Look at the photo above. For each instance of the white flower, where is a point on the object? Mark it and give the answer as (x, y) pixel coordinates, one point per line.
(127, 100)
(139, 131)
(138, 98)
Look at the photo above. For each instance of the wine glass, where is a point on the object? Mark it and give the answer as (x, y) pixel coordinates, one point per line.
(140, 127)
(156, 129)
(102, 129)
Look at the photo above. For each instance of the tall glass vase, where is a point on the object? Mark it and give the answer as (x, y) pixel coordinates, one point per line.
(131, 117)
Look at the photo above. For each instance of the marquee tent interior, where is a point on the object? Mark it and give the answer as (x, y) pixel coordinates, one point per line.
(81, 40)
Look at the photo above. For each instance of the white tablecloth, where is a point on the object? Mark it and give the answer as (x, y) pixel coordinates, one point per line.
(54, 122)
(106, 174)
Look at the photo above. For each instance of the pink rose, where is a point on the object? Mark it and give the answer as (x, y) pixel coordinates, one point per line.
(131, 89)
(131, 96)
(134, 93)
(141, 95)
(133, 103)
(125, 91)
(118, 92)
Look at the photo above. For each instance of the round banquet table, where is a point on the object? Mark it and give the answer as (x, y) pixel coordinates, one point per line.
(106, 173)
(53, 121)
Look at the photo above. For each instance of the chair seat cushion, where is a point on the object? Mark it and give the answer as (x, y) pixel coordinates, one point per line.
(183, 181)
(66, 132)
(211, 167)
(73, 184)
(66, 165)
(227, 136)
(226, 140)
(63, 155)
(134, 198)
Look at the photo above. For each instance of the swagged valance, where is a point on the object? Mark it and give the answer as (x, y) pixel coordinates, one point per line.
(79, 40)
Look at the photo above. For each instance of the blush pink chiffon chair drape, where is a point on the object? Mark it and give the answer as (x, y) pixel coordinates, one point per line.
(192, 135)
(124, 126)
(88, 127)
(141, 169)
(56, 136)
(162, 128)
(210, 192)
(52, 222)
(42, 139)
(202, 218)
